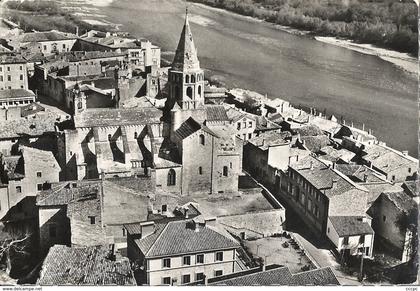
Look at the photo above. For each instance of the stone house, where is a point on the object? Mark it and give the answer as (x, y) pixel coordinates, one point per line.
(13, 73)
(316, 190)
(92, 212)
(201, 251)
(26, 174)
(395, 165)
(48, 42)
(391, 215)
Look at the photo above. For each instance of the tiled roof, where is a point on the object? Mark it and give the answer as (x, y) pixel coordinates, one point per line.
(46, 36)
(37, 156)
(411, 188)
(322, 177)
(281, 276)
(188, 240)
(317, 277)
(31, 109)
(387, 159)
(216, 113)
(359, 173)
(84, 266)
(309, 130)
(117, 117)
(28, 126)
(277, 276)
(401, 200)
(267, 139)
(315, 143)
(189, 127)
(63, 193)
(376, 189)
(8, 59)
(336, 154)
(350, 225)
(15, 93)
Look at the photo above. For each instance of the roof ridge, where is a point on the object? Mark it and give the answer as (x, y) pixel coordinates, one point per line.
(256, 273)
(159, 236)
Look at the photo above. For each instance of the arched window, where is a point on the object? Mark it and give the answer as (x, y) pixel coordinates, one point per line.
(225, 171)
(200, 170)
(199, 90)
(192, 79)
(202, 139)
(135, 135)
(189, 92)
(109, 137)
(171, 177)
(187, 79)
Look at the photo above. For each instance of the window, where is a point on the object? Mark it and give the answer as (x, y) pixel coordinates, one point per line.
(192, 79)
(309, 204)
(328, 230)
(21, 77)
(53, 230)
(64, 45)
(219, 256)
(362, 239)
(187, 79)
(225, 171)
(186, 279)
(239, 125)
(171, 177)
(135, 135)
(39, 174)
(367, 251)
(383, 218)
(164, 208)
(109, 137)
(199, 90)
(18, 189)
(21, 68)
(166, 280)
(166, 263)
(200, 170)
(8, 69)
(230, 165)
(249, 135)
(316, 211)
(199, 259)
(45, 47)
(186, 260)
(218, 273)
(346, 240)
(249, 124)
(1, 78)
(39, 187)
(393, 178)
(189, 92)
(199, 276)
(202, 139)
(92, 219)
(123, 231)
(409, 170)
(9, 78)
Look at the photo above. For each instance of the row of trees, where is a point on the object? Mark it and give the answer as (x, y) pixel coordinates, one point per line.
(385, 23)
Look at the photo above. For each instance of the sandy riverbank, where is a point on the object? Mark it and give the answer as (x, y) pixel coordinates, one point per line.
(401, 60)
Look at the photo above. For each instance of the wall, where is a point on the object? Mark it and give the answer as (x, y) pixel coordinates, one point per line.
(156, 273)
(162, 180)
(278, 156)
(245, 128)
(53, 216)
(195, 155)
(17, 72)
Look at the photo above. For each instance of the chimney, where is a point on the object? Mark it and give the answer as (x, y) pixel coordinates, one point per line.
(147, 228)
(333, 165)
(211, 221)
(405, 153)
(365, 176)
(186, 213)
(333, 183)
(312, 165)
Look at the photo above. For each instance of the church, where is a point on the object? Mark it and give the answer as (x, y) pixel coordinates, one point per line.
(188, 148)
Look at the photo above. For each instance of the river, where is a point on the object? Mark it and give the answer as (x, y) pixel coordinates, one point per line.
(256, 55)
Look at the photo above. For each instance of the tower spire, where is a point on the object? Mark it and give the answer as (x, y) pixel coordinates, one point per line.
(186, 53)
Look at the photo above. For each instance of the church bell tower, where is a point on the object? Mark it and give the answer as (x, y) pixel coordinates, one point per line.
(186, 78)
